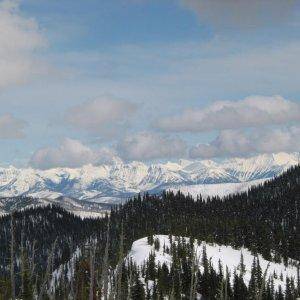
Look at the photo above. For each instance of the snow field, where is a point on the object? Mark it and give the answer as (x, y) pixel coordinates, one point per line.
(228, 256)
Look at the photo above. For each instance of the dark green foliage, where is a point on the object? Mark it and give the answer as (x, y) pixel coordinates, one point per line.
(239, 288)
(138, 291)
(264, 220)
(156, 244)
(164, 280)
(27, 290)
(151, 270)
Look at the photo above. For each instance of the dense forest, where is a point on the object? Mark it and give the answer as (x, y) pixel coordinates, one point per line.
(35, 242)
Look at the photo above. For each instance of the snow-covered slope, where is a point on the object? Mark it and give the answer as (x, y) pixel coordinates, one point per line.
(122, 180)
(229, 257)
(220, 189)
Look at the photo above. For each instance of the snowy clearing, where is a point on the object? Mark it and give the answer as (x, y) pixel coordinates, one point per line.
(229, 257)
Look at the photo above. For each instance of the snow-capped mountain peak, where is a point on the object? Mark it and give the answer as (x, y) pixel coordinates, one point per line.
(121, 180)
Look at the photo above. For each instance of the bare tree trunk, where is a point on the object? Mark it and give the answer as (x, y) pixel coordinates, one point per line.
(172, 296)
(195, 276)
(298, 276)
(22, 262)
(120, 265)
(48, 271)
(12, 257)
(92, 271)
(32, 268)
(112, 293)
(192, 279)
(195, 265)
(32, 260)
(130, 281)
(72, 270)
(104, 276)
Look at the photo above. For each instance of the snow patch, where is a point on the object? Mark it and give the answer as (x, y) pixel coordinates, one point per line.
(229, 257)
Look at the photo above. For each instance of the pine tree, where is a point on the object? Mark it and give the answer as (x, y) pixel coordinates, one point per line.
(194, 270)
(163, 279)
(288, 290)
(72, 270)
(254, 280)
(120, 265)
(279, 294)
(151, 268)
(239, 287)
(154, 292)
(104, 273)
(48, 272)
(242, 266)
(150, 239)
(92, 271)
(26, 286)
(12, 258)
(138, 291)
(204, 282)
(156, 244)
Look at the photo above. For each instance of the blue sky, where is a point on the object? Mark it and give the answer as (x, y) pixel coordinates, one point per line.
(85, 81)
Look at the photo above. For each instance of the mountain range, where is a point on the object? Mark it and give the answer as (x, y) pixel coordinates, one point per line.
(120, 180)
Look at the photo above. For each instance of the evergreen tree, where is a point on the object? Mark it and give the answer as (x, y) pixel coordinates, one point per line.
(138, 291)
(151, 267)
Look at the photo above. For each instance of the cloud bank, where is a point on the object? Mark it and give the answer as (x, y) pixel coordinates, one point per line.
(20, 37)
(149, 146)
(230, 143)
(254, 111)
(104, 116)
(70, 153)
(142, 146)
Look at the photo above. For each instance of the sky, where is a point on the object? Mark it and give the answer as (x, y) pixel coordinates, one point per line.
(91, 82)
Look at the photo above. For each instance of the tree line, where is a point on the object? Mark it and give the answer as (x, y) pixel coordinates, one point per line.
(35, 242)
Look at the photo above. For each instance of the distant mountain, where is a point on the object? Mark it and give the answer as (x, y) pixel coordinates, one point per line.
(245, 235)
(109, 183)
(80, 208)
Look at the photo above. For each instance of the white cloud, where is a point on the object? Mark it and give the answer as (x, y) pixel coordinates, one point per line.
(142, 146)
(238, 143)
(241, 13)
(148, 146)
(20, 37)
(11, 127)
(253, 111)
(70, 153)
(104, 115)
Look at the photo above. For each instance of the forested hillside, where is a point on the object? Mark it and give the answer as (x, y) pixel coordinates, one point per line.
(265, 220)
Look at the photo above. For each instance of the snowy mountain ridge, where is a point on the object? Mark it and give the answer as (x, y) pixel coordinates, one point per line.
(121, 180)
